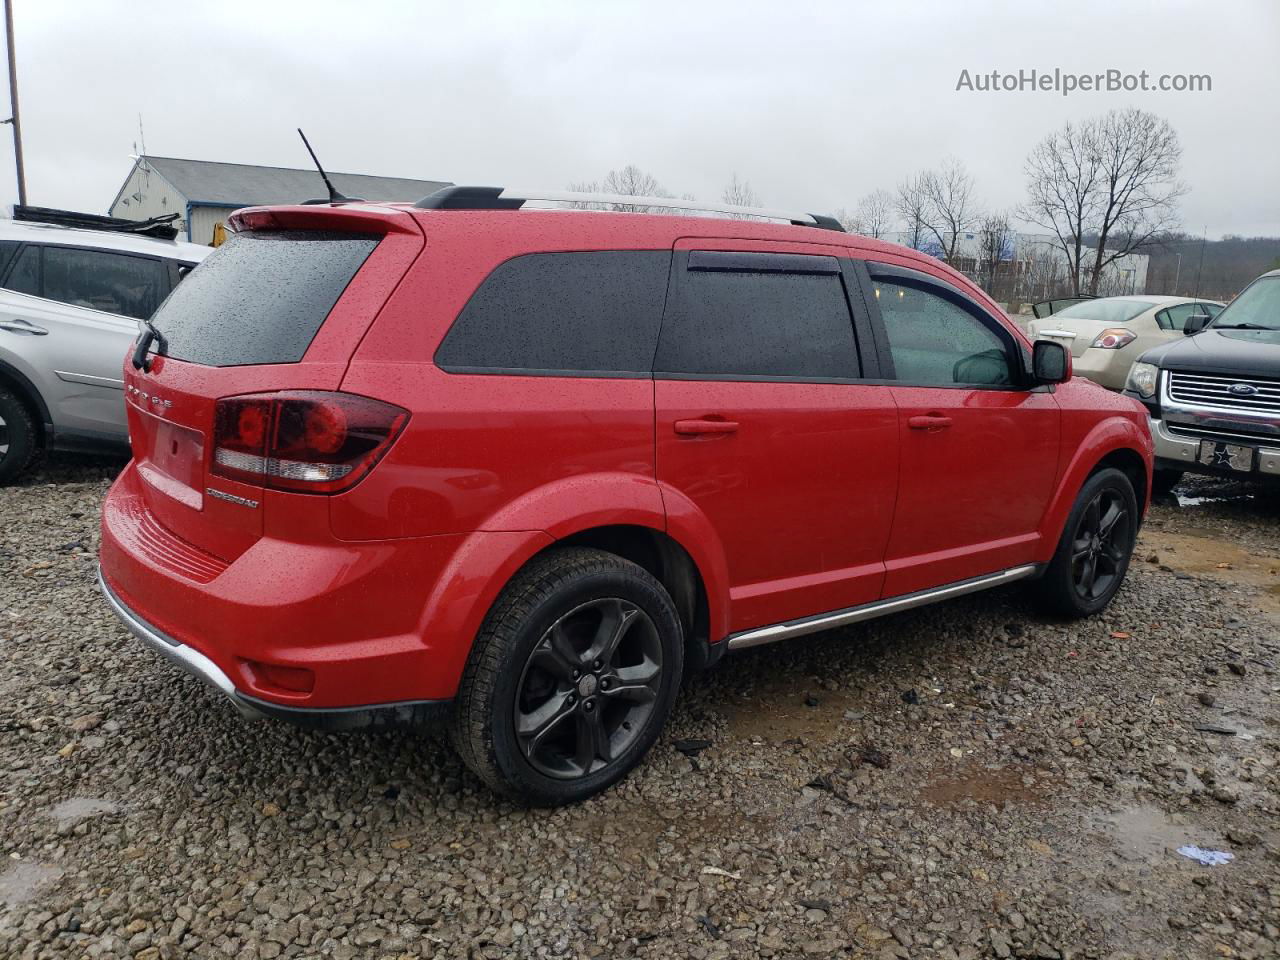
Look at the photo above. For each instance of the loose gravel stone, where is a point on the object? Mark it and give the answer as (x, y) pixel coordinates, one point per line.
(968, 780)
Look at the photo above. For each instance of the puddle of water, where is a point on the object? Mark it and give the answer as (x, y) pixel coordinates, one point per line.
(1186, 501)
(70, 812)
(992, 785)
(22, 881)
(1145, 832)
(780, 713)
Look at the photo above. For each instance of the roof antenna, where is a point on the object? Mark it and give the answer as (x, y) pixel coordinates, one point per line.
(334, 195)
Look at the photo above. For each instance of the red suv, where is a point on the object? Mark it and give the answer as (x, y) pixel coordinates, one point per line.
(520, 470)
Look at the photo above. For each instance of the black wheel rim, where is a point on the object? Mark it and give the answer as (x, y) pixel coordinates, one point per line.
(588, 688)
(1100, 545)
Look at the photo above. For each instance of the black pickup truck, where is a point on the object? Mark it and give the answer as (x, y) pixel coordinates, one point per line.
(1214, 396)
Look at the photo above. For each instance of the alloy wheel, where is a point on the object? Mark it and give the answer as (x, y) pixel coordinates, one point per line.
(1100, 545)
(4, 438)
(588, 688)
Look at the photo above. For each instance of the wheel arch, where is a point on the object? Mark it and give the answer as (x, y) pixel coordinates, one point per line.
(657, 552)
(1113, 442)
(17, 382)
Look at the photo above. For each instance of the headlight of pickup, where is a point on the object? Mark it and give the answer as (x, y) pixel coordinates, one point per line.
(1142, 378)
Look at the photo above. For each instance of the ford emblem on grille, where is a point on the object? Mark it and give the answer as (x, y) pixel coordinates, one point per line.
(1242, 389)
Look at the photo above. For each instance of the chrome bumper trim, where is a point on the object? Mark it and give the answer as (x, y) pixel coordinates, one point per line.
(880, 608)
(1185, 449)
(187, 658)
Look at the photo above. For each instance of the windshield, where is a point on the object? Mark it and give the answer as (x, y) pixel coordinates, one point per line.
(1258, 307)
(1108, 311)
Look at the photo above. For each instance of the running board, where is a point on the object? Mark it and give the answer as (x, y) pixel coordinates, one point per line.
(869, 611)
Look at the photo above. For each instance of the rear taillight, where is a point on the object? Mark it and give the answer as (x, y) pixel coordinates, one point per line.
(1113, 338)
(309, 440)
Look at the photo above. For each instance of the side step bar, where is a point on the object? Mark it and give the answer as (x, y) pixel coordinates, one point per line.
(880, 608)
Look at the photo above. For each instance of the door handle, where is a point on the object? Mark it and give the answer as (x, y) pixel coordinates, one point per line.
(705, 426)
(929, 421)
(18, 325)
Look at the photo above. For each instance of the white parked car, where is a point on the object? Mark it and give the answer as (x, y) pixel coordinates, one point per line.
(1106, 335)
(70, 303)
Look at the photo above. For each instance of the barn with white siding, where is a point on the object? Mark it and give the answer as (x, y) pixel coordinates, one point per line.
(203, 193)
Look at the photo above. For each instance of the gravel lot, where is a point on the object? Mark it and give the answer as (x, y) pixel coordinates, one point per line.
(963, 781)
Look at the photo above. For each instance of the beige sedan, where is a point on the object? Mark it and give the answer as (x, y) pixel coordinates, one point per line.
(1106, 335)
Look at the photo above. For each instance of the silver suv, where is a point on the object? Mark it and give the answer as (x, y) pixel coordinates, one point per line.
(69, 312)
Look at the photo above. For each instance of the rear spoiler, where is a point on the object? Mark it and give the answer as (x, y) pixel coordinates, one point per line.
(345, 217)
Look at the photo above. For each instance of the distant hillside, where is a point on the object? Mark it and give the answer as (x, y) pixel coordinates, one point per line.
(1229, 264)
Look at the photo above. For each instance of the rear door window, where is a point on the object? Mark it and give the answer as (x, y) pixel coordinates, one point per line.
(7, 249)
(758, 316)
(562, 313)
(108, 282)
(1173, 318)
(261, 297)
(24, 275)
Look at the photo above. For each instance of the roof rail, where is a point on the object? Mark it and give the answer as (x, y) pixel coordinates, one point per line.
(503, 198)
(161, 227)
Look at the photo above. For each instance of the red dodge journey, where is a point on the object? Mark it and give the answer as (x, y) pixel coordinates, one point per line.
(518, 470)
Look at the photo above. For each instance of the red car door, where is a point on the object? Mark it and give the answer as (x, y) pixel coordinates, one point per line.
(765, 432)
(979, 447)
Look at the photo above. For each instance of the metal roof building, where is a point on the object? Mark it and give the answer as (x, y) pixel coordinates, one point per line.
(204, 192)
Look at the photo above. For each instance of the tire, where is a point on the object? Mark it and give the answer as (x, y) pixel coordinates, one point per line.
(19, 440)
(541, 663)
(1089, 544)
(1163, 481)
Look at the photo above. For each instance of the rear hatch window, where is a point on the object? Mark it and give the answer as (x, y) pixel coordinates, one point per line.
(261, 297)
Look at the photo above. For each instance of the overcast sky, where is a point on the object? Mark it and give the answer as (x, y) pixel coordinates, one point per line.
(814, 104)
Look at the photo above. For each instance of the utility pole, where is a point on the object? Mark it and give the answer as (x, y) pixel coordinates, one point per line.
(13, 98)
(1178, 275)
(1204, 236)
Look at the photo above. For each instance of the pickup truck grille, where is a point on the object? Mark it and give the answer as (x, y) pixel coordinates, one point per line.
(1210, 390)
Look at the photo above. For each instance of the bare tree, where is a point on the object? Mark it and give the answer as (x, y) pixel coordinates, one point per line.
(874, 214)
(1105, 188)
(995, 246)
(630, 181)
(740, 194)
(1062, 185)
(912, 204)
(1139, 154)
(950, 205)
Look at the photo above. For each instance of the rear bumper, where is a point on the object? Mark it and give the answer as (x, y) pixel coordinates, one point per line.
(192, 661)
(318, 632)
(1110, 368)
(185, 658)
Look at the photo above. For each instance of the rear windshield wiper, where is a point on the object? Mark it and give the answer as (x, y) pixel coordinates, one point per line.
(1242, 326)
(148, 335)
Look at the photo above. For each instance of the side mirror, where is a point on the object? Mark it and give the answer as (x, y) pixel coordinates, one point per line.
(1195, 323)
(1050, 362)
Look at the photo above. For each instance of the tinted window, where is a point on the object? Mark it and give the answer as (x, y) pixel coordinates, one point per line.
(260, 297)
(550, 312)
(744, 319)
(110, 282)
(1210, 310)
(937, 342)
(24, 275)
(7, 249)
